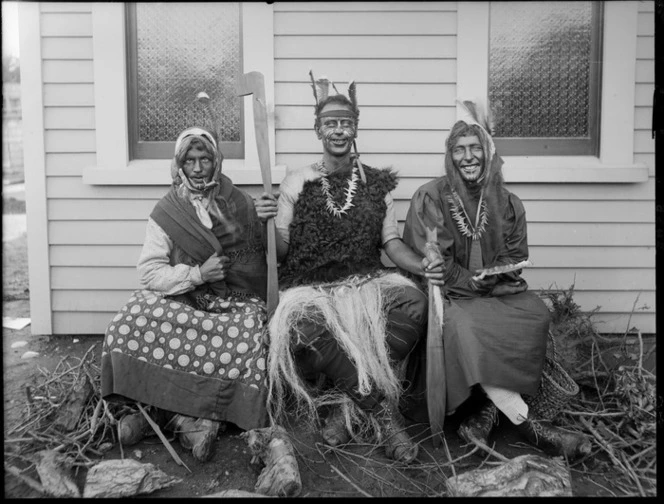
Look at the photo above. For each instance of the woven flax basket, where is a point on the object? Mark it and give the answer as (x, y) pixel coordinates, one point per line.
(555, 390)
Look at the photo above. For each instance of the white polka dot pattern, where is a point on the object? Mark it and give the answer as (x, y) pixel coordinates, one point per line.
(176, 336)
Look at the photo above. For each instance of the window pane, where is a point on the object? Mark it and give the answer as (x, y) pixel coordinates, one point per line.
(540, 68)
(182, 49)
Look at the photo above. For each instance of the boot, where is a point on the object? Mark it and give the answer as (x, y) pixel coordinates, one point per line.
(398, 445)
(134, 427)
(334, 432)
(479, 425)
(554, 441)
(196, 434)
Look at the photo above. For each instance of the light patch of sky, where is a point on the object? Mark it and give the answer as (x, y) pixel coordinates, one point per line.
(10, 28)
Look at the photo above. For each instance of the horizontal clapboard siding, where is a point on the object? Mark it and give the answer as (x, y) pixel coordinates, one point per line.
(363, 47)
(597, 237)
(70, 95)
(372, 94)
(369, 22)
(644, 144)
(406, 71)
(364, 6)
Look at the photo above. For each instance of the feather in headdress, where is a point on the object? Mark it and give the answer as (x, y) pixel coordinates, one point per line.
(479, 112)
(352, 93)
(313, 85)
(321, 87)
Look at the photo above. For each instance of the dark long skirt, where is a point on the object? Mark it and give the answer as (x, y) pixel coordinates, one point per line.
(205, 364)
(498, 341)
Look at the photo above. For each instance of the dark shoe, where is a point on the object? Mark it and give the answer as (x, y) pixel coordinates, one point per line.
(334, 432)
(196, 434)
(133, 428)
(479, 425)
(398, 445)
(555, 441)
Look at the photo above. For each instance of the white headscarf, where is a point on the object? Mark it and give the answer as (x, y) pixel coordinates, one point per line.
(201, 199)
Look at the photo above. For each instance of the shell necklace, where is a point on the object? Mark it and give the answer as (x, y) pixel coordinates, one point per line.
(463, 221)
(330, 205)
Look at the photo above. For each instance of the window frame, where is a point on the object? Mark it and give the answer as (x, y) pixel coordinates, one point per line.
(162, 150)
(614, 161)
(559, 146)
(114, 167)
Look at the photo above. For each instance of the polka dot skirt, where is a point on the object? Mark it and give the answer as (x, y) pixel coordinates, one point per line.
(226, 343)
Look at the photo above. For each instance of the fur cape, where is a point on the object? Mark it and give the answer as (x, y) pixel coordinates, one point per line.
(325, 248)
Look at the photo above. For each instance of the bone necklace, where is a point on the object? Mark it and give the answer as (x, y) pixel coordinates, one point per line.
(462, 219)
(330, 205)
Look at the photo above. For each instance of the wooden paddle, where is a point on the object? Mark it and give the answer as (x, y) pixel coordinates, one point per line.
(436, 382)
(253, 83)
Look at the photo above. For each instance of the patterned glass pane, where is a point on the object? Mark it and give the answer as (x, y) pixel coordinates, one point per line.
(539, 68)
(183, 49)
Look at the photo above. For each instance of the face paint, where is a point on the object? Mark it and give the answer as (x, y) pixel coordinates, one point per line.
(468, 157)
(337, 130)
(198, 166)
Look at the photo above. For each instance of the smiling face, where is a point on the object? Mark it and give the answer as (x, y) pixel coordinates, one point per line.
(468, 157)
(336, 128)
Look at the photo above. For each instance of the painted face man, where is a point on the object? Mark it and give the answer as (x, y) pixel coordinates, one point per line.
(468, 157)
(336, 127)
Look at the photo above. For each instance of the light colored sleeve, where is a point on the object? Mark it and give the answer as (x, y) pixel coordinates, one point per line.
(285, 206)
(155, 271)
(390, 227)
(289, 191)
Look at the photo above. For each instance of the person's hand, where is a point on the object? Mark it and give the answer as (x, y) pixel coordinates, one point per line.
(433, 270)
(266, 205)
(485, 285)
(213, 269)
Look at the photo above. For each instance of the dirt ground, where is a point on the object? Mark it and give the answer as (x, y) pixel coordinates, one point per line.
(355, 471)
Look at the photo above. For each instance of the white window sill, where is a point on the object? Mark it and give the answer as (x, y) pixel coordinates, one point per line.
(564, 169)
(158, 172)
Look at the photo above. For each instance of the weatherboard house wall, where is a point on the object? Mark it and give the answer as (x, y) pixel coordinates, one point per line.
(591, 219)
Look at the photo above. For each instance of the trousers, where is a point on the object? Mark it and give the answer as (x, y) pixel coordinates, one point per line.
(319, 352)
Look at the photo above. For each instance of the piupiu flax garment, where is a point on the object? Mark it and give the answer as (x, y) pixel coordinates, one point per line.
(342, 310)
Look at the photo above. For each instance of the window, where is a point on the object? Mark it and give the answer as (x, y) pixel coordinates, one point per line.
(614, 159)
(110, 43)
(544, 77)
(174, 52)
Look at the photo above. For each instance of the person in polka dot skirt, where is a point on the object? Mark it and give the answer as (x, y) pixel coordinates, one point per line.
(189, 343)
